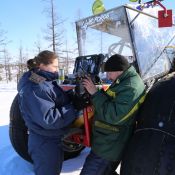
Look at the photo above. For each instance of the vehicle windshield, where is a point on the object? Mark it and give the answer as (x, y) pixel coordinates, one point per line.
(105, 33)
(126, 31)
(150, 42)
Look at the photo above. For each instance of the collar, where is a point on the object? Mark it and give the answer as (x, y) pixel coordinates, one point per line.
(49, 76)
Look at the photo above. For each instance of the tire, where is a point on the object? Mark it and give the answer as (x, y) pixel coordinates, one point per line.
(18, 133)
(151, 150)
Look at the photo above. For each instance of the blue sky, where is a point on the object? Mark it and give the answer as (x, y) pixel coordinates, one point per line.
(25, 20)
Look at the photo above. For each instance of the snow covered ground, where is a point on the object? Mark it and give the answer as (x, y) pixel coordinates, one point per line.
(10, 162)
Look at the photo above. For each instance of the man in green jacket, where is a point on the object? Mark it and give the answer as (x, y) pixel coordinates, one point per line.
(114, 117)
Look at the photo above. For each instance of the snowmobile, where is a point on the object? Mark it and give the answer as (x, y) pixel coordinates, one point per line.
(125, 30)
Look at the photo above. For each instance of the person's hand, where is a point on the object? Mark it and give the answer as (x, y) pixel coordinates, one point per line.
(89, 85)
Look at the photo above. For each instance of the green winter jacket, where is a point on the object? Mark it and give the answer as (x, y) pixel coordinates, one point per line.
(115, 111)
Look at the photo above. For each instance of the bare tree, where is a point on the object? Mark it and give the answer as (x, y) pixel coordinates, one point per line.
(71, 50)
(55, 31)
(3, 39)
(21, 63)
(3, 43)
(38, 44)
(1, 71)
(7, 66)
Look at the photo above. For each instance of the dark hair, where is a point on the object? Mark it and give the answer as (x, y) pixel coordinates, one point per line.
(45, 57)
(31, 63)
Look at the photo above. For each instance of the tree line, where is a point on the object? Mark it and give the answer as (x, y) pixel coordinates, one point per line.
(54, 35)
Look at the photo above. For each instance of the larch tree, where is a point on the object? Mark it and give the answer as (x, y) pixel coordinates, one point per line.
(55, 30)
